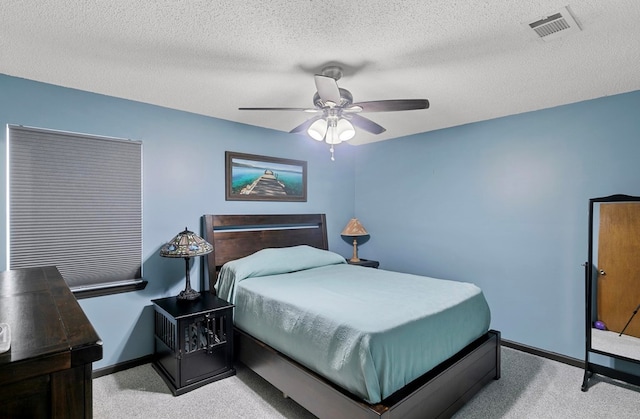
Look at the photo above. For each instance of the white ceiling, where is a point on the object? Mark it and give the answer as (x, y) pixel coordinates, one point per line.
(473, 60)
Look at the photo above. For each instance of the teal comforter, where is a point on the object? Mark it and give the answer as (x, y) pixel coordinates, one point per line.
(368, 330)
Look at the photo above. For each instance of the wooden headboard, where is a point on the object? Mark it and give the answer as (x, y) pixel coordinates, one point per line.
(237, 236)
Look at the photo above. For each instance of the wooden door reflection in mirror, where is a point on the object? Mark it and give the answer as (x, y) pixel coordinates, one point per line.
(613, 283)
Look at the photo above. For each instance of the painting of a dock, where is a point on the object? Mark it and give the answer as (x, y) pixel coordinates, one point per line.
(261, 178)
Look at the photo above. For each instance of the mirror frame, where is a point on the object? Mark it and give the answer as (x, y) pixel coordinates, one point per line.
(590, 283)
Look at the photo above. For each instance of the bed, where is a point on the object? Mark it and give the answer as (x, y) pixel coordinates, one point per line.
(325, 381)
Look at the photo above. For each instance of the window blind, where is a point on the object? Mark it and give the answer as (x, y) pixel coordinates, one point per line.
(75, 202)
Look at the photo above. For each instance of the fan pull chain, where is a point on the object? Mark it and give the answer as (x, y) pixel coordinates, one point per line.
(331, 150)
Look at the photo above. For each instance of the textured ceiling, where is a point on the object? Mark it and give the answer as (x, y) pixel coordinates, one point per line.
(473, 60)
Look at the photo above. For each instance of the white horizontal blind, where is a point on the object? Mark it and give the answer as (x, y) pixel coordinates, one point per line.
(75, 202)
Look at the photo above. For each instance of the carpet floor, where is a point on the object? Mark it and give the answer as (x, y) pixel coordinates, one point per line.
(530, 387)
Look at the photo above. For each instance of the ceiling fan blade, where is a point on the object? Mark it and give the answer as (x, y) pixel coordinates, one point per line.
(312, 110)
(302, 128)
(328, 89)
(393, 105)
(366, 124)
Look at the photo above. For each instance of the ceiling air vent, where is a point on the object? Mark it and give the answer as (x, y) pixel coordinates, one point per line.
(555, 25)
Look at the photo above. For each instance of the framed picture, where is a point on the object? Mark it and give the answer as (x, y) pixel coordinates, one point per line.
(262, 178)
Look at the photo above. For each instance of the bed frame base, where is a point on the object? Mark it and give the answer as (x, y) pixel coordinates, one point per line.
(437, 394)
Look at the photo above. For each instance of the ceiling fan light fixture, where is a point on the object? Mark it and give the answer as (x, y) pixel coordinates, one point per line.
(337, 114)
(331, 130)
(318, 130)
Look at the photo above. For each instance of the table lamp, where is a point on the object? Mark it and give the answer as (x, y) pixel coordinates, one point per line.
(186, 245)
(354, 229)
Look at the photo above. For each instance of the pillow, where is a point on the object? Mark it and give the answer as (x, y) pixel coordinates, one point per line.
(272, 261)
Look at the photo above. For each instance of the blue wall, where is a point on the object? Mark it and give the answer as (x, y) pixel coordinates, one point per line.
(504, 204)
(501, 203)
(183, 178)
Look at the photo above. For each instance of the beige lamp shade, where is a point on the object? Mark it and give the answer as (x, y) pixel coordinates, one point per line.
(354, 229)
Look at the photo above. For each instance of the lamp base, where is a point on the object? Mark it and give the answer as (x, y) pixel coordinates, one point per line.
(188, 294)
(355, 257)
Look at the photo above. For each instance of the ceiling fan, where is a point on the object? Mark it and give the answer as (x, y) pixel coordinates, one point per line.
(337, 114)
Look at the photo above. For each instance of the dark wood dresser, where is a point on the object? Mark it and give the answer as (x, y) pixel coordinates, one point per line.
(47, 371)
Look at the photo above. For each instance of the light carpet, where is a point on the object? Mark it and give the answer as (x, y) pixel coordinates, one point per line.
(530, 387)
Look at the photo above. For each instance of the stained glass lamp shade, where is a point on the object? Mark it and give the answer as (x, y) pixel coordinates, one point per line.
(186, 245)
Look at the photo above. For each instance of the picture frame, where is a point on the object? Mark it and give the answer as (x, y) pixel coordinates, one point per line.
(250, 177)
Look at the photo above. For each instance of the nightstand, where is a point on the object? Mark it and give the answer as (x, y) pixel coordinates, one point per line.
(193, 341)
(365, 262)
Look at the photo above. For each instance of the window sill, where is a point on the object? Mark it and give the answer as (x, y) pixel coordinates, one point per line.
(98, 291)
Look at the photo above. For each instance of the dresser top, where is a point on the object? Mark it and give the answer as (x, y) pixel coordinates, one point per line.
(45, 319)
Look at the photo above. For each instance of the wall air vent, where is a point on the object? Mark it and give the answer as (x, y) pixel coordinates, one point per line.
(553, 26)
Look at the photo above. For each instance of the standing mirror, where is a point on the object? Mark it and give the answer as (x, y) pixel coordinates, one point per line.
(612, 277)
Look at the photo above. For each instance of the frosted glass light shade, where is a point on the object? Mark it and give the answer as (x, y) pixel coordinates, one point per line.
(332, 136)
(345, 130)
(318, 130)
